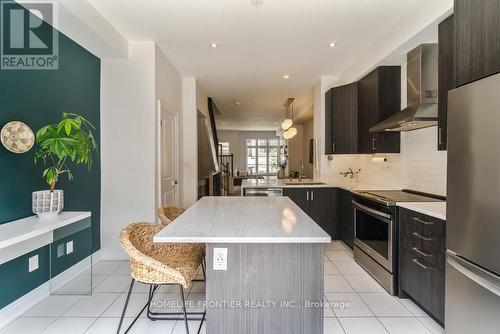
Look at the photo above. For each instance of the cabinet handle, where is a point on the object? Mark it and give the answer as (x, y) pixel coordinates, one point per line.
(333, 147)
(440, 136)
(422, 237)
(422, 221)
(420, 252)
(374, 141)
(420, 264)
(312, 195)
(307, 195)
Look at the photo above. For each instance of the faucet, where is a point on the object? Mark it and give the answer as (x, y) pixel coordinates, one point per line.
(350, 172)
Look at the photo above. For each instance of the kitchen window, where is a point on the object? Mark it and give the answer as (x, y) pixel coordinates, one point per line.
(263, 155)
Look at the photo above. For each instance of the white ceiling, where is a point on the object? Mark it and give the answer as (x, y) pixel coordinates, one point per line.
(258, 45)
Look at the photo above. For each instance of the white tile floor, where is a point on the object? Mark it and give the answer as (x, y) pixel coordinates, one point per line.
(359, 304)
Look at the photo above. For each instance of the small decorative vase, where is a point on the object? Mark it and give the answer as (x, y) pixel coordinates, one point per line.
(281, 173)
(47, 204)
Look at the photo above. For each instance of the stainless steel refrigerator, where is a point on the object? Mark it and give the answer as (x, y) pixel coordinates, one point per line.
(473, 209)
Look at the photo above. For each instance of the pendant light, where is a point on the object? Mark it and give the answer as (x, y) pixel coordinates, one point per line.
(287, 125)
(288, 122)
(292, 131)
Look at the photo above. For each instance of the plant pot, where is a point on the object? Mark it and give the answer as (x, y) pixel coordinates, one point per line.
(47, 204)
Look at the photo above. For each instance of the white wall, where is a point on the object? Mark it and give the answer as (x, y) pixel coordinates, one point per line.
(296, 150)
(189, 143)
(129, 91)
(308, 133)
(127, 143)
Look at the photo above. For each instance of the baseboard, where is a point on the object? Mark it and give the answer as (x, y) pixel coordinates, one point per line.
(18, 307)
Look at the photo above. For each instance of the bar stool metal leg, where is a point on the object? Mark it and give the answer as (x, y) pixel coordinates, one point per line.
(126, 304)
(184, 308)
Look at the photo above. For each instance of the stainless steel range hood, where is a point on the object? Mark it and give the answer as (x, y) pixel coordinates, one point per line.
(422, 85)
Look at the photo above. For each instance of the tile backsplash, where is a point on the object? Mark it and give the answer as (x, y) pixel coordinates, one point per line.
(419, 166)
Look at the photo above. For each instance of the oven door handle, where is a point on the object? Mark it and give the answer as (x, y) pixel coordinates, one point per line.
(382, 215)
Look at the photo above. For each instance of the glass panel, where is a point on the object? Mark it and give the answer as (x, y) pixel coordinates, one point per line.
(273, 152)
(72, 245)
(251, 156)
(373, 232)
(251, 142)
(273, 142)
(225, 148)
(251, 169)
(262, 142)
(262, 169)
(273, 169)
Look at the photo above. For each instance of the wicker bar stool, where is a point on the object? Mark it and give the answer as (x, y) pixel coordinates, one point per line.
(167, 213)
(160, 264)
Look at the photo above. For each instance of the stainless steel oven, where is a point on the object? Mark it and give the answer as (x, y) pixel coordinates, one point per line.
(373, 241)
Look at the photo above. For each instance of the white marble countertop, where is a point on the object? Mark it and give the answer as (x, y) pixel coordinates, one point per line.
(286, 183)
(433, 209)
(23, 229)
(243, 220)
(280, 183)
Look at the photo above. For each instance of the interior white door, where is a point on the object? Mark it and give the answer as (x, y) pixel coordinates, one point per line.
(168, 156)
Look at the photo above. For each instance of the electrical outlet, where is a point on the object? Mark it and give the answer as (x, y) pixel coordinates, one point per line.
(69, 247)
(60, 250)
(220, 258)
(33, 263)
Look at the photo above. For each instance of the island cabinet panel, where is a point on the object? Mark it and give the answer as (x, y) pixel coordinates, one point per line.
(266, 289)
(477, 39)
(341, 119)
(318, 203)
(446, 78)
(379, 97)
(422, 261)
(345, 217)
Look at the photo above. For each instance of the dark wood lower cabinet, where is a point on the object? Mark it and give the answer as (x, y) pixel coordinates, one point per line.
(423, 282)
(345, 217)
(422, 261)
(318, 203)
(330, 208)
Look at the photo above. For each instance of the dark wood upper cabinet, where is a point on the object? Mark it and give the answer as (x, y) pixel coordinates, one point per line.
(446, 78)
(477, 39)
(329, 121)
(341, 120)
(379, 97)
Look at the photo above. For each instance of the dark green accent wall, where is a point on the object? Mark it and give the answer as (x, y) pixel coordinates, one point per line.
(16, 280)
(39, 97)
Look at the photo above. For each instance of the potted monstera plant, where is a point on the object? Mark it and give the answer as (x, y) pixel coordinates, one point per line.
(71, 141)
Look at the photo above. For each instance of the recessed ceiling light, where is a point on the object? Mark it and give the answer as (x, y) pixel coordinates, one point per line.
(275, 123)
(223, 123)
(286, 76)
(236, 103)
(257, 3)
(332, 45)
(214, 45)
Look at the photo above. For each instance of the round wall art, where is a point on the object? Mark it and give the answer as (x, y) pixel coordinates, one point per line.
(17, 137)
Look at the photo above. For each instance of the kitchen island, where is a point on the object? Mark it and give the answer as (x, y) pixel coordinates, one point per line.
(271, 280)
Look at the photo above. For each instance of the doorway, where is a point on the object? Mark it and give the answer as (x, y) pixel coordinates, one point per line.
(168, 156)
